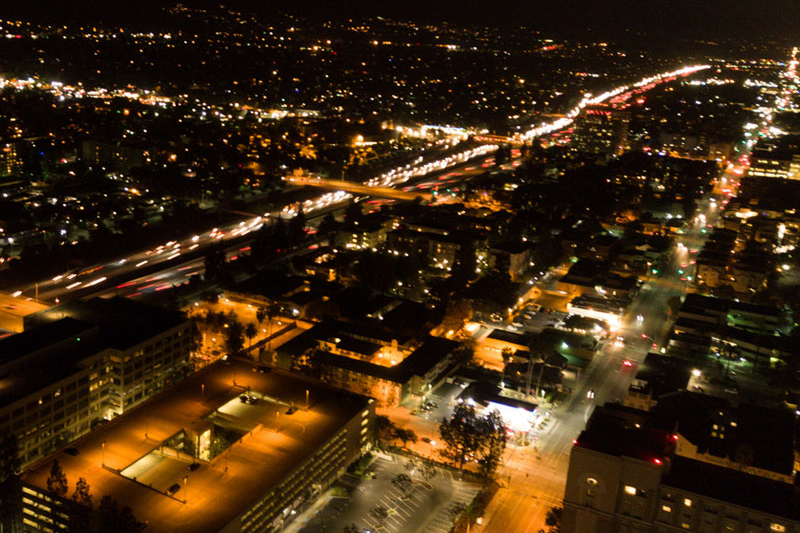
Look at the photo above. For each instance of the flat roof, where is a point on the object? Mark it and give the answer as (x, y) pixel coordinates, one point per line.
(418, 363)
(729, 485)
(124, 323)
(52, 366)
(623, 431)
(511, 337)
(35, 339)
(276, 446)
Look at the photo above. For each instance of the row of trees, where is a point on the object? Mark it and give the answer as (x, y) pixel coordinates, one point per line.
(385, 433)
(110, 516)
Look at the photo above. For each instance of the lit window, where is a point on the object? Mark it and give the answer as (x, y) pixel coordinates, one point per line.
(630, 490)
(687, 502)
(666, 508)
(777, 527)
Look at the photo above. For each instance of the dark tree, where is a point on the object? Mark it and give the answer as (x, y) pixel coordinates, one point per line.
(352, 528)
(81, 495)
(405, 436)
(10, 487)
(553, 520)
(116, 520)
(403, 483)
(234, 337)
(467, 435)
(250, 331)
(461, 435)
(81, 515)
(57, 481)
(380, 513)
(383, 431)
(267, 312)
(456, 315)
(493, 431)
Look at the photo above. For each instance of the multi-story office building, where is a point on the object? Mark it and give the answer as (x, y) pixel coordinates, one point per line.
(625, 476)
(230, 449)
(10, 162)
(78, 364)
(601, 130)
(783, 164)
(113, 156)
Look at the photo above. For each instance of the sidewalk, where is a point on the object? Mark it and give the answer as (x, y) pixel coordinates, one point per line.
(302, 520)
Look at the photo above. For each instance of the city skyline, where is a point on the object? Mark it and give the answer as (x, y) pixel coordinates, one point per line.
(400, 268)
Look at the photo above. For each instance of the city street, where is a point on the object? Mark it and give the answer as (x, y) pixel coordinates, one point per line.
(534, 478)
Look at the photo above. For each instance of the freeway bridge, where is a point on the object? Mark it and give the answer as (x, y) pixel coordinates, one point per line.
(358, 188)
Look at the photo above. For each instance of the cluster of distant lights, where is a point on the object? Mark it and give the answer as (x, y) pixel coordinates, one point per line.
(63, 91)
(589, 99)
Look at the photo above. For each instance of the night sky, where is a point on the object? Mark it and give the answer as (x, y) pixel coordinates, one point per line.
(681, 18)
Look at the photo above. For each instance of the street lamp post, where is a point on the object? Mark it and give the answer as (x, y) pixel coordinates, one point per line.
(103, 446)
(185, 489)
(306, 399)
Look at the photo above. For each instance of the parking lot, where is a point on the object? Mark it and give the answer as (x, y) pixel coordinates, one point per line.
(423, 509)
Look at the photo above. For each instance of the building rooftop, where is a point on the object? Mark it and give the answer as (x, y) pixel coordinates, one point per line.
(765, 436)
(418, 363)
(123, 323)
(728, 485)
(62, 344)
(624, 431)
(664, 374)
(273, 445)
(510, 337)
(34, 339)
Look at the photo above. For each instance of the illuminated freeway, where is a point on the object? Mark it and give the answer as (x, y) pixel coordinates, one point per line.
(106, 274)
(174, 262)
